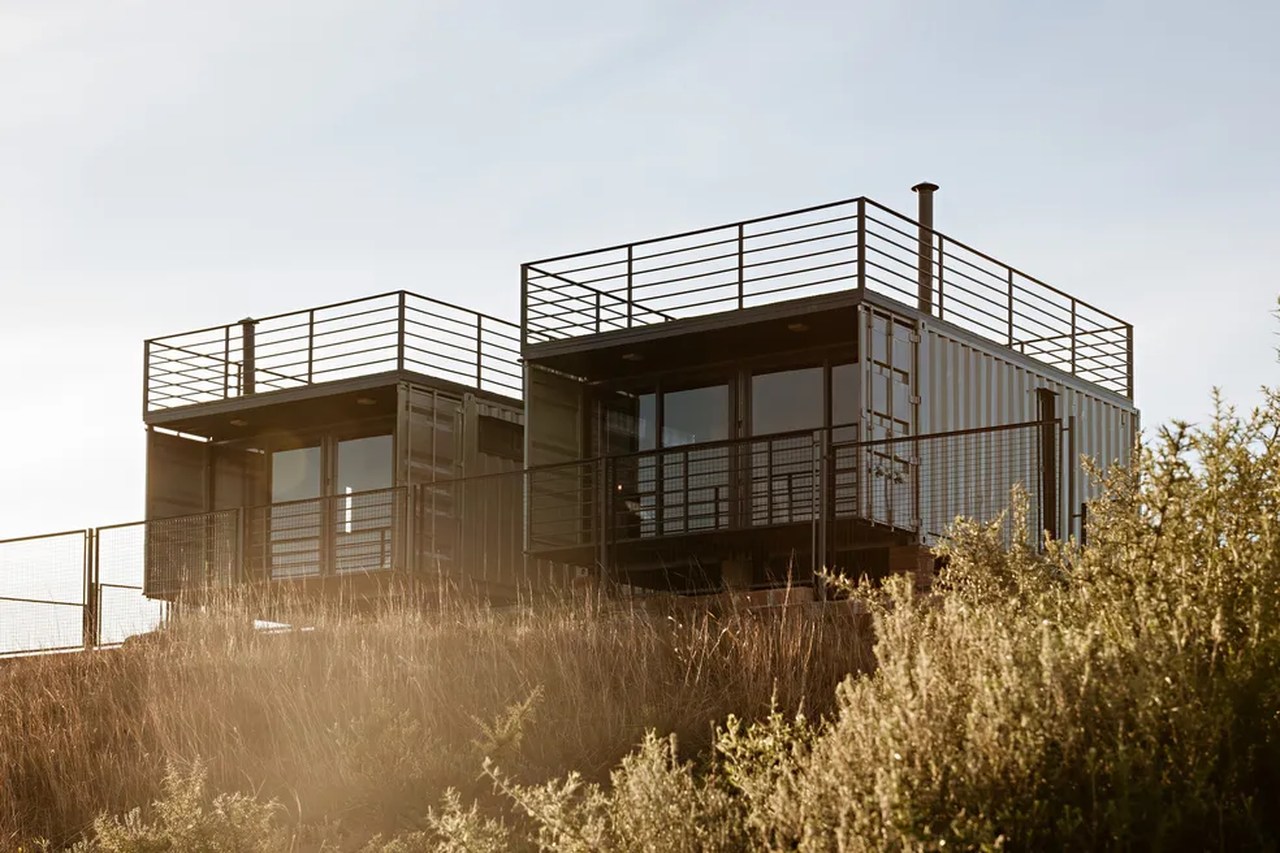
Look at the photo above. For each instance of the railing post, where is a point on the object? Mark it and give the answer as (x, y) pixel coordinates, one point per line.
(479, 348)
(226, 362)
(1010, 318)
(1128, 359)
(862, 244)
(311, 344)
(597, 312)
(630, 288)
(1073, 336)
(248, 356)
(942, 260)
(824, 505)
(524, 304)
(400, 333)
(146, 378)
(741, 264)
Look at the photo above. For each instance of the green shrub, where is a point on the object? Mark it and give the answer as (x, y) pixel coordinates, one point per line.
(1116, 696)
(188, 820)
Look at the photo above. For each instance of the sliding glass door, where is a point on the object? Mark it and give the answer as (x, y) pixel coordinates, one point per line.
(296, 518)
(364, 517)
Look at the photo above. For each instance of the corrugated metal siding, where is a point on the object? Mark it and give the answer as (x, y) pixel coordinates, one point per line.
(554, 436)
(177, 475)
(965, 385)
(478, 526)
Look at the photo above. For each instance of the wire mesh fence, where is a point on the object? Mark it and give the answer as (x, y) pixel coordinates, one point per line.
(42, 592)
(912, 485)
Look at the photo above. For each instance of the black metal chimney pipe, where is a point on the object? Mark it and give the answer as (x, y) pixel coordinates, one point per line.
(249, 366)
(924, 289)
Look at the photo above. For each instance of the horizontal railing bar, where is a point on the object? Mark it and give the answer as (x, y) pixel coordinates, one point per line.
(697, 231)
(59, 535)
(1015, 270)
(19, 600)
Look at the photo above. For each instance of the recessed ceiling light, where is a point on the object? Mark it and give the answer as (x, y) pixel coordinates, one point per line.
(239, 422)
(366, 401)
(632, 356)
(797, 326)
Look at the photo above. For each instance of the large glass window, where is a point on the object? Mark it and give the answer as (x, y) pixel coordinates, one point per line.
(695, 483)
(364, 464)
(365, 509)
(783, 485)
(647, 423)
(786, 400)
(295, 527)
(695, 415)
(295, 474)
(844, 403)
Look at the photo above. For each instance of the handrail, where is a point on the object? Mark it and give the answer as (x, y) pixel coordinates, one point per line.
(396, 330)
(723, 268)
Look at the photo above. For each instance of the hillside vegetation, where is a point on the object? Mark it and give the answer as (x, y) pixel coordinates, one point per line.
(1117, 696)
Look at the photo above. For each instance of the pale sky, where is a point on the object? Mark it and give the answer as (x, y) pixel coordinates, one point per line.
(166, 166)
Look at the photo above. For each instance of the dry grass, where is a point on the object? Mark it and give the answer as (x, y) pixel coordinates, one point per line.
(362, 722)
(1120, 696)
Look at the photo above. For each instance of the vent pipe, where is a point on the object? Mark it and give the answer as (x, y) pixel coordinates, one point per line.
(249, 367)
(924, 288)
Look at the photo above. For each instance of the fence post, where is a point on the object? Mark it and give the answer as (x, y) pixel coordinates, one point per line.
(605, 515)
(825, 509)
(239, 571)
(90, 627)
(1048, 403)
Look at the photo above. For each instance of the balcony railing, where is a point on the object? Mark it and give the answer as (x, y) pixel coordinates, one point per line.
(522, 528)
(915, 485)
(391, 331)
(849, 245)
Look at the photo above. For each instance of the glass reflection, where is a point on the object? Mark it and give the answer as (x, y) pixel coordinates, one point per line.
(786, 400)
(364, 510)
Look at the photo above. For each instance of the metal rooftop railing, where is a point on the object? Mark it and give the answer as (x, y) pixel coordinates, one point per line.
(391, 331)
(856, 244)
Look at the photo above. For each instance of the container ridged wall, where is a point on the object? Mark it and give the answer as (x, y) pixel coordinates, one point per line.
(965, 384)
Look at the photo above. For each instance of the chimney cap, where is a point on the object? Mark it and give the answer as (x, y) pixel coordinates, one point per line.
(924, 187)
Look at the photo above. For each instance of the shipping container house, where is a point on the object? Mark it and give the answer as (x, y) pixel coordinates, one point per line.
(324, 448)
(826, 387)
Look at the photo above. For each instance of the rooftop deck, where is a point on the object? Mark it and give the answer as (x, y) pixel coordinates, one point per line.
(856, 244)
(360, 337)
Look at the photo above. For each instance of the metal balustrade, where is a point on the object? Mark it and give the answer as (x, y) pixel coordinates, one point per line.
(391, 331)
(856, 244)
(521, 528)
